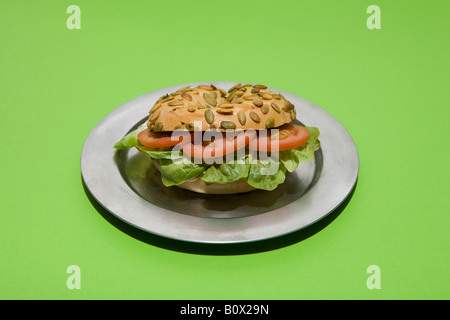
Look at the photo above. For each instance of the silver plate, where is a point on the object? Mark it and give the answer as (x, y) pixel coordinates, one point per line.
(127, 185)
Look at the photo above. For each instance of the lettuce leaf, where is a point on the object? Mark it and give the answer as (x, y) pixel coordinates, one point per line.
(160, 153)
(227, 172)
(130, 140)
(266, 174)
(178, 171)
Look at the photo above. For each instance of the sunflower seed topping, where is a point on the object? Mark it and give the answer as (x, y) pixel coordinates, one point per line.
(204, 87)
(242, 118)
(224, 111)
(260, 86)
(176, 103)
(226, 105)
(155, 116)
(266, 96)
(186, 96)
(293, 115)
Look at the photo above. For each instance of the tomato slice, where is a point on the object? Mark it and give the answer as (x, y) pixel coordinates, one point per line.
(287, 137)
(215, 144)
(160, 139)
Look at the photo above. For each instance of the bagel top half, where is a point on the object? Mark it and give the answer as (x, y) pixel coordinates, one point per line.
(206, 107)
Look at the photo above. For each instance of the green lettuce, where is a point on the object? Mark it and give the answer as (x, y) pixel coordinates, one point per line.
(266, 174)
(160, 153)
(227, 172)
(178, 171)
(130, 140)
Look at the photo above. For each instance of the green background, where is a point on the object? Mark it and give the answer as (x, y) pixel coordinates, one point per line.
(388, 87)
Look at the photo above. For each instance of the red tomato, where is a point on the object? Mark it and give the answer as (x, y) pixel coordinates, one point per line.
(288, 137)
(160, 139)
(215, 144)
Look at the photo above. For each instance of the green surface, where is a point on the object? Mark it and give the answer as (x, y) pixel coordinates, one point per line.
(388, 87)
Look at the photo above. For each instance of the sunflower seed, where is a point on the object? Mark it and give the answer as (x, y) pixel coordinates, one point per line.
(158, 127)
(266, 96)
(156, 108)
(186, 96)
(154, 116)
(275, 107)
(242, 118)
(209, 116)
(258, 102)
(228, 125)
(223, 93)
(178, 127)
(204, 87)
(239, 93)
(254, 116)
(176, 103)
(260, 86)
(224, 111)
(293, 115)
(270, 123)
(251, 97)
(191, 108)
(210, 98)
(255, 90)
(239, 100)
(185, 89)
(226, 105)
(265, 108)
(288, 107)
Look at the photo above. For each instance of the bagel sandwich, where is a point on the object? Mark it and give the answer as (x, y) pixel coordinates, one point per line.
(208, 140)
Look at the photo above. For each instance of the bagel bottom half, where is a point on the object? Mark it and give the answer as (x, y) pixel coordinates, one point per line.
(198, 185)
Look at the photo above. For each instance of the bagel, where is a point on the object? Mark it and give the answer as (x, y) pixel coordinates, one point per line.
(206, 107)
(236, 130)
